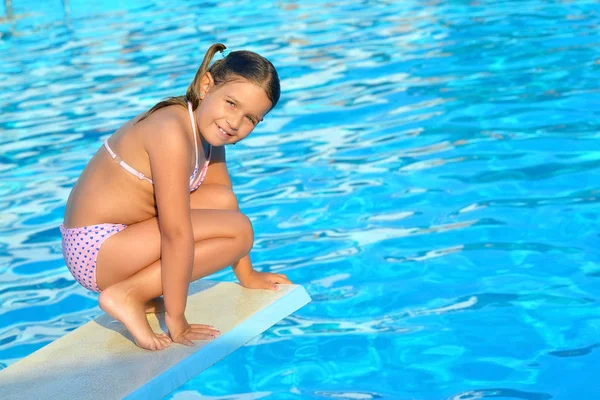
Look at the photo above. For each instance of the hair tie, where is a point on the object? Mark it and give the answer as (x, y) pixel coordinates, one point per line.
(225, 53)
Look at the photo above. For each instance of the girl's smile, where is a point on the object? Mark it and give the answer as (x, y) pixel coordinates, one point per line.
(223, 132)
(229, 113)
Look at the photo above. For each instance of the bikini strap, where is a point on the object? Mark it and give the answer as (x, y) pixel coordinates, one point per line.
(193, 121)
(123, 164)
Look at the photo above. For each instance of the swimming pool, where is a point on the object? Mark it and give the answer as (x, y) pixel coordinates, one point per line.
(431, 176)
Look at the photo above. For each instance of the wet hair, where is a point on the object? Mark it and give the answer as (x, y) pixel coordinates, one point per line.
(237, 65)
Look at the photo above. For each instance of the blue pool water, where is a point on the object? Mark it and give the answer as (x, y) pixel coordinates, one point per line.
(431, 176)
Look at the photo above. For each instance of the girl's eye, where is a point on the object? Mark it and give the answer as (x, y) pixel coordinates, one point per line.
(231, 103)
(251, 120)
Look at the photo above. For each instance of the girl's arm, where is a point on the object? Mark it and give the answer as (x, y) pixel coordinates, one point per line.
(218, 175)
(170, 158)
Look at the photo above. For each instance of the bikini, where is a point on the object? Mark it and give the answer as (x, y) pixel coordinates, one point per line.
(80, 246)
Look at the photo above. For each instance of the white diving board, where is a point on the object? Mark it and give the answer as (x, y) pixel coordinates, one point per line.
(99, 360)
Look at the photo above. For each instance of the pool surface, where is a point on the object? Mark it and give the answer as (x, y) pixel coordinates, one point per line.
(431, 176)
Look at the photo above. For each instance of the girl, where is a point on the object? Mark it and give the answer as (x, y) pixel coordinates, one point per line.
(154, 210)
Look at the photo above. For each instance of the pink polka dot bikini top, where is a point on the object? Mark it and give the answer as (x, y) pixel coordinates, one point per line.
(193, 186)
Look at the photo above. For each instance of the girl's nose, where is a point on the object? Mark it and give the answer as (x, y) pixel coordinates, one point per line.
(234, 121)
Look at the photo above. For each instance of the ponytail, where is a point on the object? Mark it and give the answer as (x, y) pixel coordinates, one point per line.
(193, 91)
(237, 64)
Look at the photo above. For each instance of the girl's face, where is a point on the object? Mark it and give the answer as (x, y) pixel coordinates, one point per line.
(229, 113)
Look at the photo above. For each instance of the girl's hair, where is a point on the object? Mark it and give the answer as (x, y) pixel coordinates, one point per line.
(237, 64)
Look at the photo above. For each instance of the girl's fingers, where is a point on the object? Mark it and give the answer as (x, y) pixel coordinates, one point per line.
(195, 332)
(284, 278)
(200, 336)
(187, 342)
(182, 339)
(203, 328)
(204, 334)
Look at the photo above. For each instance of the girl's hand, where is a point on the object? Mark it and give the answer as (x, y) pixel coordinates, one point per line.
(264, 280)
(183, 333)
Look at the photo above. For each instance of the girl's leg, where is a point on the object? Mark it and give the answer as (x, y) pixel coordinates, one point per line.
(138, 246)
(128, 279)
(213, 197)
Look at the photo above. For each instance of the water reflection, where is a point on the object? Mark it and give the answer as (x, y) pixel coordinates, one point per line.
(429, 175)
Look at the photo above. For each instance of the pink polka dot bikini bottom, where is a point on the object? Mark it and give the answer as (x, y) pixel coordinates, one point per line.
(80, 248)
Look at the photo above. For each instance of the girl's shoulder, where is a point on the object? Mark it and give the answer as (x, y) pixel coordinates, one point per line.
(166, 125)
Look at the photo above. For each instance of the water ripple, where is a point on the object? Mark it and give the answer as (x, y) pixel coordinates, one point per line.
(430, 175)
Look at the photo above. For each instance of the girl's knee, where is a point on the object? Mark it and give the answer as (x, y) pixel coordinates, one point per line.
(246, 233)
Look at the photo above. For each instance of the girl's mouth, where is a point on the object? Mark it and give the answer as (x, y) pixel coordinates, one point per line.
(223, 132)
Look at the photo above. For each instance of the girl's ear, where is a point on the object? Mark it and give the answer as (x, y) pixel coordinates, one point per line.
(207, 83)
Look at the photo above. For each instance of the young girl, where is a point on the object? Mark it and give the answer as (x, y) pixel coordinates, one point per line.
(154, 209)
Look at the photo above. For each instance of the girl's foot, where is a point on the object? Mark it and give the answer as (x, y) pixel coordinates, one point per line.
(116, 302)
(155, 306)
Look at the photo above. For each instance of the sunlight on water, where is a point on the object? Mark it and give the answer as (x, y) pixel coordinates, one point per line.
(430, 175)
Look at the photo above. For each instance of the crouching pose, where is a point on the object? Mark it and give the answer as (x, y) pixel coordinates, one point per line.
(154, 209)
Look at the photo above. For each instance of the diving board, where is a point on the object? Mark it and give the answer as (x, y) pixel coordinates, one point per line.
(99, 360)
